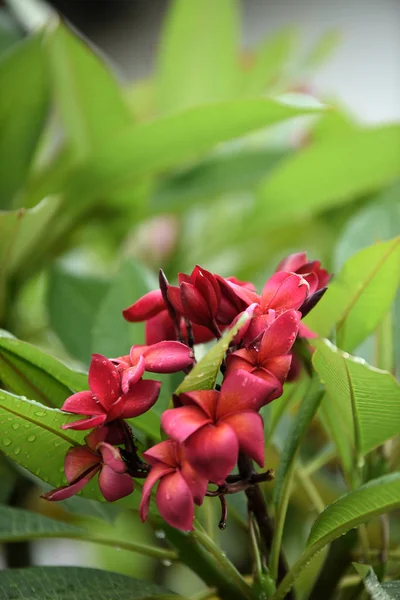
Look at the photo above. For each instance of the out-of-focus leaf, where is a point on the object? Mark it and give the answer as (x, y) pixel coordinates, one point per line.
(91, 105)
(377, 590)
(197, 56)
(28, 371)
(32, 14)
(331, 172)
(363, 401)
(9, 32)
(8, 477)
(152, 147)
(23, 109)
(70, 583)
(269, 62)
(73, 301)
(360, 296)
(323, 49)
(204, 374)
(17, 524)
(222, 174)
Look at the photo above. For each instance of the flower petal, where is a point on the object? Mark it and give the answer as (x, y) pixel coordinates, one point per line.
(112, 457)
(159, 328)
(197, 484)
(280, 336)
(104, 380)
(86, 423)
(180, 423)
(132, 375)
(205, 399)
(279, 366)
(157, 471)
(78, 460)
(194, 305)
(66, 491)
(146, 307)
(114, 485)
(284, 291)
(141, 397)
(165, 452)
(213, 451)
(167, 357)
(243, 391)
(249, 428)
(292, 262)
(175, 501)
(96, 436)
(82, 403)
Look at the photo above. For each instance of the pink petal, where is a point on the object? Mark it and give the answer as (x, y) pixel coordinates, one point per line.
(167, 357)
(279, 366)
(66, 491)
(280, 336)
(82, 403)
(198, 274)
(197, 484)
(96, 436)
(284, 291)
(243, 391)
(175, 502)
(194, 305)
(174, 296)
(180, 423)
(77, 461)
(207, 400)
(244, 293)
(201, 334)
(132, 375)
(114, 485)
(104, 380)
(157, 471)
(86, 423)
(209, 290)
(142, 396)
(293, 262)
(249, 428)
(135, 353)
(213, 451)
(165, 452)
(112, 457)
(305, 332)
(148, 306)
(233, 363)
(159, 328)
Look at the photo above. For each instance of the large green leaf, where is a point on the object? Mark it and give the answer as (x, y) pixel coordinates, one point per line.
(377, 590)
(360, 296)
(362, 402)
(331, 172)
(17, 524)
(71, 583)
(29, 371)
(197, 60)
(203, 375)
(90, 102)
(73, 301)
(22, 112)
(9, 32)
(367, 502)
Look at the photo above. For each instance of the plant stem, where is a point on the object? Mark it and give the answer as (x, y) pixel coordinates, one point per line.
(310, 489)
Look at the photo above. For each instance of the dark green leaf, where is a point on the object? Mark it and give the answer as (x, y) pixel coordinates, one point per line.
(9, 32)
(17, 524)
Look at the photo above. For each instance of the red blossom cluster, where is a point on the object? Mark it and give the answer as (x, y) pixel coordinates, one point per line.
(208, 430)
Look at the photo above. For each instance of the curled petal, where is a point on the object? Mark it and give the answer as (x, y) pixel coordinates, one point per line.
(167, 357)
(197, 484)
(157, 471)
(180, 423)
(243, 391)
(66, 491)
(77, 461)
(284, 291)
(292, 262)
(249, 428)
(279, 366)
(93, 439)
(114, 485)
(142, 396)
(207, 400)
(112, 457)
(84, 424)
(174, 297)
(213, 451)
(280, 336)
(132, 375)
(165, 452)
(243, 292)
(82, 403)
(175, 501)
(148, 306)
(194, 305)
(104, 380)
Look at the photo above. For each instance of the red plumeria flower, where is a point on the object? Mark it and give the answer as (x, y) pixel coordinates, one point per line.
(312, 272)
(179, 488)
(106, 402)
(214, 426)
(270, 358)
(163, 357)
(83, 462)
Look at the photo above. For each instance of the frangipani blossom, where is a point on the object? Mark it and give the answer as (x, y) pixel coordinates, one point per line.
(163, 357)
(105, 401)
(179, 488)
(82, 463)
(215, 426)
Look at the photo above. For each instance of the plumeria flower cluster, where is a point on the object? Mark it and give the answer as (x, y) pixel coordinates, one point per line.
(207, 431)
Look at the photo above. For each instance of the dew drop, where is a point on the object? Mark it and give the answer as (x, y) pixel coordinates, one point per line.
(17, 451)
(31, 438)
(61, 470)
(6, 441)
(160, 534)
(15, 425)
(166, 563)
(104, 363)
(10, 418)
(27, 425)
(40, 413)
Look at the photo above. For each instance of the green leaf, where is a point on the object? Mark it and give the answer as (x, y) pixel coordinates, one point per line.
(73, 301)
(323, 49)
(363, 401)
(377, 590)
(90, 102)
(29, 371)
(203, 375)
(22, 114)
(331, 172)
(360, 296)
(359, 506)
(9, 32)
(197, 60)
(154, 146)
(270, 61)
(71, 583)
(17, 524)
